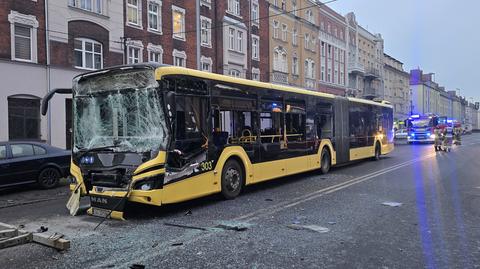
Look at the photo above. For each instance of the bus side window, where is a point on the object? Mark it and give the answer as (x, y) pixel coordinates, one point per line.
(295, 120)
(272, 122)
(324, 121)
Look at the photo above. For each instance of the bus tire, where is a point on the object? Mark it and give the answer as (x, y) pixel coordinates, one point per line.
(378, 152)
(325, 161)
(232, 179)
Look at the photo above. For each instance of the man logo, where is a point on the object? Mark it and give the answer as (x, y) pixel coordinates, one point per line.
(99, 200)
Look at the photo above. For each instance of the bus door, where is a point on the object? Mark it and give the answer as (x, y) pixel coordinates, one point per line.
(189, 148)
(341, 123)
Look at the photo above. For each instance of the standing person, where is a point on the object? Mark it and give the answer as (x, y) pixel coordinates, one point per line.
(438, 139)
(448, 138)
(458, 134)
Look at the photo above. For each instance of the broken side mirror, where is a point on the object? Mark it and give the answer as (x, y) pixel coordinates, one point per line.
(49, 96)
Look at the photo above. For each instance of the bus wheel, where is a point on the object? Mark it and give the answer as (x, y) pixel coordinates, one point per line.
(376, 157)
(325, 161)
(232, 179)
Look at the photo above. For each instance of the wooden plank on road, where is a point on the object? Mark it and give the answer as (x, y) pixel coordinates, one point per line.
(17, 240)
(51, 241)
(8, 233)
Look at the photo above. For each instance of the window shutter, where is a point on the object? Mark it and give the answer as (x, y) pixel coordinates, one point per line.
(22, 42)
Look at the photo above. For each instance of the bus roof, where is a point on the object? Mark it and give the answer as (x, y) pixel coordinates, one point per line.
(164, 70)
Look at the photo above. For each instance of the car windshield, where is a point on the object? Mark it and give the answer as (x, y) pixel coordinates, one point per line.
(122, 110)
(421, 122)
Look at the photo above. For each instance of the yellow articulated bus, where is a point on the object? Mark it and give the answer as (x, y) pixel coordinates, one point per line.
(157, 134)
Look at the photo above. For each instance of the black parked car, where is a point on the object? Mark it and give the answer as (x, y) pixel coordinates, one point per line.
(25, 162)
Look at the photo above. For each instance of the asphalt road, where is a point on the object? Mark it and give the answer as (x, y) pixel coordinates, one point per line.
(310, 220)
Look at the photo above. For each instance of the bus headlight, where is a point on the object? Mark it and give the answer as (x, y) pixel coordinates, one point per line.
(150, 183)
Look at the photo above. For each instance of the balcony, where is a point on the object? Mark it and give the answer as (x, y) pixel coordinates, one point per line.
(279, 77)
(372, 73)
(356, 67)
(310, 83)
(369, 91)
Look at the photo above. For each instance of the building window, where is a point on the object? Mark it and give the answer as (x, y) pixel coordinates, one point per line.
(23, 118)
(255, 11)
(240, 41)
(234, 73)
(155, 16)
(284, 5)
(206, 3)
(307, 41)
(88, 54)
(133, 12)
(23, 42)
(231, 35)
(284, 32)
(234, 7)
(155, 53)
(294, 37)
(206, 63)
(89, 5)
(179, 58)
(280, 60)
(294, 7)
(255, 47)
(255, 74)
(178, 17)
(134, 52)
(309, 69)
(309, 16)
(295, 65)
(134, 55)
(275, 29)
(206, 34)
(23, 29)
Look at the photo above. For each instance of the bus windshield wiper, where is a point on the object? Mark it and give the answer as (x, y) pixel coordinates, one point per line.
(109, 147)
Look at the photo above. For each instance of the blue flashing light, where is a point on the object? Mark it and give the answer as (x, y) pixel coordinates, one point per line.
(428, 134)
(449, 121)
(415, 116)
(274, 104)
(412, 134)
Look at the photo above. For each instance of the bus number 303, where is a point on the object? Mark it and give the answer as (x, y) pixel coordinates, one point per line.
(206, 166)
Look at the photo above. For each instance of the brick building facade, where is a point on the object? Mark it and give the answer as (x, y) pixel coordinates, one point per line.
(59, 39)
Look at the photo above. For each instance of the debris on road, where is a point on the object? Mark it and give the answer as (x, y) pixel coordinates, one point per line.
(233, 226)
(269, 200)
(184, 226)
(42, 229)
(392, 204)
(137, 266)
(12, 236)
(332, 222)
(313, 228)
(177, 244)
(188, 213)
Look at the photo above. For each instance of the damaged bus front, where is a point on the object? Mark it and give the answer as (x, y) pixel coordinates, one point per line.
(120, 135)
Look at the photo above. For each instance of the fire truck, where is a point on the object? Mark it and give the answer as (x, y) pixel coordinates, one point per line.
(421, 128)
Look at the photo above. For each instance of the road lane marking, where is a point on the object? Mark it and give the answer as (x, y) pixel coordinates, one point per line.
(194, 236)
(316, 194)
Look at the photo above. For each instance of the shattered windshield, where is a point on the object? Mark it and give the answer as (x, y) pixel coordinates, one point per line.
(124, 110)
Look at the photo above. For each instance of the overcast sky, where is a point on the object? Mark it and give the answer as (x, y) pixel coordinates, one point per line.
(439, 36)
